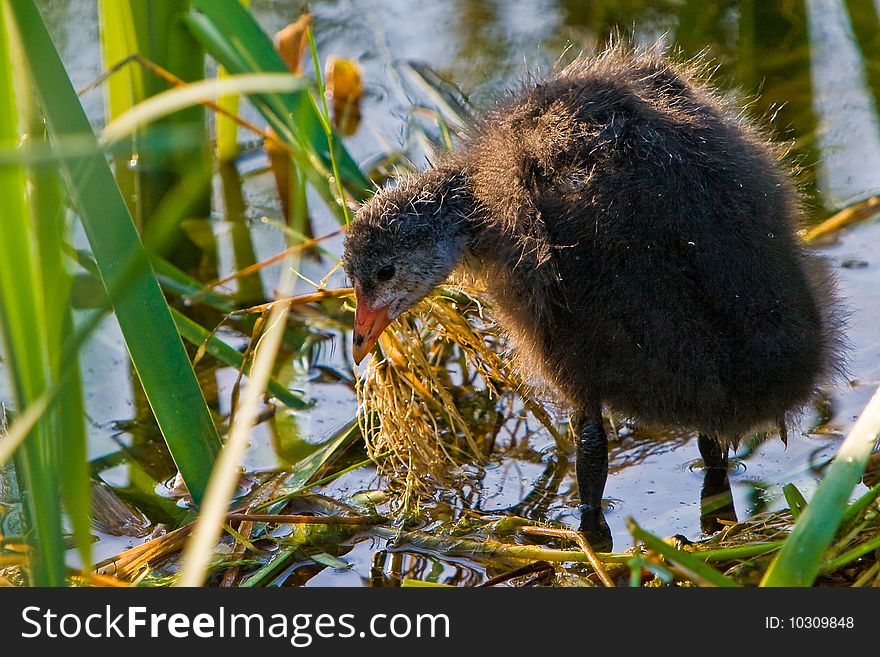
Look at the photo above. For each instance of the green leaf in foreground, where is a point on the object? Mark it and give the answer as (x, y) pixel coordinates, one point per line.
(696, 569)
(143, 315)
(67, 415)
(800, 560)
(25, 335)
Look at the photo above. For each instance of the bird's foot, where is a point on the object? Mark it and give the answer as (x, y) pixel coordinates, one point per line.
(595, 529)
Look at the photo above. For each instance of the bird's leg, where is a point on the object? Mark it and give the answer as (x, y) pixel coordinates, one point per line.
(716, 499)
(592, 472)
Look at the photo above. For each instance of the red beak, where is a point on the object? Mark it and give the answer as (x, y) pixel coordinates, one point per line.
(368, 326)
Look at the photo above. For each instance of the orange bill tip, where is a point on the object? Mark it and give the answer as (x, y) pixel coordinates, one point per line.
(368, 326)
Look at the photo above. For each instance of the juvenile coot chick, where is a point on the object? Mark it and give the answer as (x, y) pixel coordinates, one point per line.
(637, 237)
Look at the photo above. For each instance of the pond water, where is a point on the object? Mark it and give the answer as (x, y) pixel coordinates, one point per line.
(812, 66)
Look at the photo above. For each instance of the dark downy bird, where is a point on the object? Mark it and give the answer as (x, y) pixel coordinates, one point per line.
(637, 237)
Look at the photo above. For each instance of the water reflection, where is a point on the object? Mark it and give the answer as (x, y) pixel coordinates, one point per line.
(391, 568)
(849, 131)
(716, 500)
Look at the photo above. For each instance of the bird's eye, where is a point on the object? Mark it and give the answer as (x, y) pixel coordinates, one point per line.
(385, 273)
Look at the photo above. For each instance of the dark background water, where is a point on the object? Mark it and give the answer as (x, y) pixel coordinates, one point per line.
(808, 69)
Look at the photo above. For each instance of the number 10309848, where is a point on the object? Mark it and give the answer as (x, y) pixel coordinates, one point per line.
(809, 623)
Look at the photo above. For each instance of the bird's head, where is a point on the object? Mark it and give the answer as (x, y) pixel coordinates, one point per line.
(402, 243)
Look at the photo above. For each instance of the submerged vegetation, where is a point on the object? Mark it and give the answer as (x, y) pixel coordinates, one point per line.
(85, 241)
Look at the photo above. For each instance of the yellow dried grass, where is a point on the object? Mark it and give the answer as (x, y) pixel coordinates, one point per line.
(410, 414)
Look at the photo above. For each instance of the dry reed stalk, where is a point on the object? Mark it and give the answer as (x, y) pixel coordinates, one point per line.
(128, 563)
(581, 542)
(409, 403)
(849, 215)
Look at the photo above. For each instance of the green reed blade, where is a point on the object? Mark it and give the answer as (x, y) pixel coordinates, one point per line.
(800, 559)
(151, 337)
(24, 331)
(67, 415)
(795, 499)
(47, 204)
(225, 128)
(695, 568)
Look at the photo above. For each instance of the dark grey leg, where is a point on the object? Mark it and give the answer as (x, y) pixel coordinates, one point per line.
(716, 499)
(714, 455)
(592, 472)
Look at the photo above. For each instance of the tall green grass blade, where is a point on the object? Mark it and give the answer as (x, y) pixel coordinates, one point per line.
(66, 419)
(19, 327)
(68, 414)
(24, 333)
(33, 316)
(224, 127)
(800, 559)
(144, 318)
(118, 20)
(323, 113)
